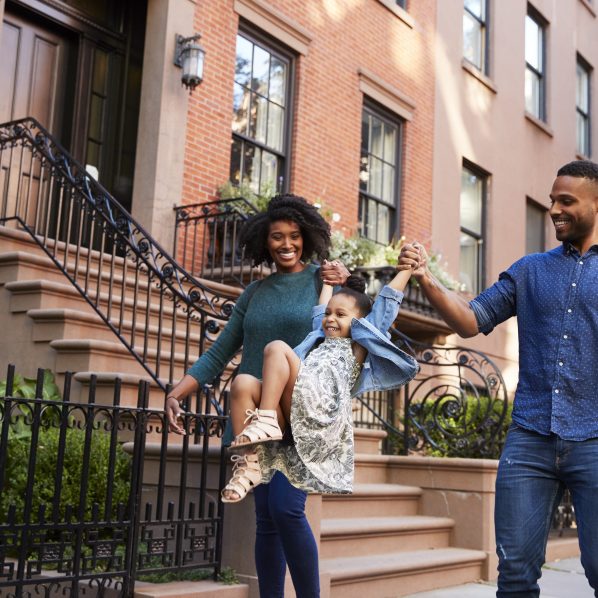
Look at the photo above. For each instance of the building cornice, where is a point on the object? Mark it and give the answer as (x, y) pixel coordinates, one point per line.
(276, 23)
(382, 92)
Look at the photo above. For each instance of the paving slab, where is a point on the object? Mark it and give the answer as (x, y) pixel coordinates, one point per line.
(560, 579)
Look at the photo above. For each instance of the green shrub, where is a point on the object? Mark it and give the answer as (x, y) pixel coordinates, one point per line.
(46, 450)
(473, 433)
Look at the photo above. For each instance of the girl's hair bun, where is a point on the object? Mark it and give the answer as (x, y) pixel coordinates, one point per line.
(355, 282)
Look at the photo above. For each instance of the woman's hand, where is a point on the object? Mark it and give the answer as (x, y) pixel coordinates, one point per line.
(334, 273)
(173, 411)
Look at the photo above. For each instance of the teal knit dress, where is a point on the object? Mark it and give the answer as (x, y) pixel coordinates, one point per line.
(279, 308)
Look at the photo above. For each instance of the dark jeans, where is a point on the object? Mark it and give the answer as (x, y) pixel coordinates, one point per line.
(283, 536)
(532, 474)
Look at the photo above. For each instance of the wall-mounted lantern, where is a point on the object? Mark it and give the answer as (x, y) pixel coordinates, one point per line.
(189, 56)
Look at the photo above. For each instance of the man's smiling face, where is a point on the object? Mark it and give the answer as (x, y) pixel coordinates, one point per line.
(573, 209)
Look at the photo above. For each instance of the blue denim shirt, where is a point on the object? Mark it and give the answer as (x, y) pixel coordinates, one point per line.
(386, 366)
(555, 298)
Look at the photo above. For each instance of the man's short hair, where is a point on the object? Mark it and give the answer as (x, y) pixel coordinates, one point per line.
(583, 169)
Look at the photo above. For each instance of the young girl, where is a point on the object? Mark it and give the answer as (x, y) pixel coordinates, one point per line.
(311, 388)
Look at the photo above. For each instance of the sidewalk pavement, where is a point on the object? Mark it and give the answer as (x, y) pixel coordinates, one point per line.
(560, 579)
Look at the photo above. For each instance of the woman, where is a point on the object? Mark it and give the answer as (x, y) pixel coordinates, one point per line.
(278, 307)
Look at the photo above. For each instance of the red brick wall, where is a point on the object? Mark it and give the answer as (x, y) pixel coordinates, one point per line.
(326, 131)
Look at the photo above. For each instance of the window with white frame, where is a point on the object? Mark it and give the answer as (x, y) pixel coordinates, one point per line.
(582, 104)
(260, 115)
(475, 33)
(535, 227)
(535, 64)
(472, 216)
(379, 174)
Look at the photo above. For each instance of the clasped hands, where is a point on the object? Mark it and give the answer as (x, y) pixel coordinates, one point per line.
(413, 256)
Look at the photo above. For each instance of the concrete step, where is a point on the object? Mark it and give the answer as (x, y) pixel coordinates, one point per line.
(402, 573)
(371, 468)
(562, 547)
(190, 589)
(82, 355)
(56, 323)
(378, 535)
(32, 256)
(368, 441)
(385, 500)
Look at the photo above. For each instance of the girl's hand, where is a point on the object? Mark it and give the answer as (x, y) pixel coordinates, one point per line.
(173, 411)
(334, 273)
(413, 256)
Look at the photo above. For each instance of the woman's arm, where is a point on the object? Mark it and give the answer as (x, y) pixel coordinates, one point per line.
(210, 364)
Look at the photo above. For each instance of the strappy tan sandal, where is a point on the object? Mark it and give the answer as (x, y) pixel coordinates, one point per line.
(263, 428)
(246, 475)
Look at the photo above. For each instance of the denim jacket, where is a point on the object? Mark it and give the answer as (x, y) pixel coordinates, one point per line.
(385, 366)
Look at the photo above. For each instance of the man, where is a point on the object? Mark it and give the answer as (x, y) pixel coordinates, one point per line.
(553, 442)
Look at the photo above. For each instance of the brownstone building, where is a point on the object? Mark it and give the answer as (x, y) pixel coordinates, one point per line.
(442, 121)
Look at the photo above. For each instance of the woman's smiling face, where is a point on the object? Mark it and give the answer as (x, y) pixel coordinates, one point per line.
(285, 244)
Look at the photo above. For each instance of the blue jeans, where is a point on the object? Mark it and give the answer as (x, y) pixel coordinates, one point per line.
(283, 536)
(532, 474)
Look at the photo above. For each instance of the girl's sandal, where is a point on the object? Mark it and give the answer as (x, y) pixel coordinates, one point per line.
(246, 475)
(263, 428)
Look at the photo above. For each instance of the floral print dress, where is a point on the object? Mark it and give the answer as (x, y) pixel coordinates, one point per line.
(321, 458)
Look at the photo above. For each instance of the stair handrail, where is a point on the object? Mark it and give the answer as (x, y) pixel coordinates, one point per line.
(66, 176)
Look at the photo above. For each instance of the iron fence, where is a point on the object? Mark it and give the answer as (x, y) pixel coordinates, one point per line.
(86, 505)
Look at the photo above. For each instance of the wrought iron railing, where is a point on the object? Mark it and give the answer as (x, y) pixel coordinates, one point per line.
(82, 513)
(456, 406)
(206, 242)
(163, 315)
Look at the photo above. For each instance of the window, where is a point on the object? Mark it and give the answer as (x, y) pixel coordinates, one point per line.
(260, 115)
(535, 227)
(535, 63)
(475, 33)
(379, 173)
(473, 200)
(582, 102)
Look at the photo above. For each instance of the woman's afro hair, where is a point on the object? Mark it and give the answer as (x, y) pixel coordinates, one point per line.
(291, 208)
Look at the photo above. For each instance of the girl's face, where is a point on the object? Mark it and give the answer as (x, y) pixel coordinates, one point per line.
(340, 311)
(285, 244)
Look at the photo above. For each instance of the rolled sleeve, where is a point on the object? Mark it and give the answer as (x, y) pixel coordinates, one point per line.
(385, 308)
(496, 304)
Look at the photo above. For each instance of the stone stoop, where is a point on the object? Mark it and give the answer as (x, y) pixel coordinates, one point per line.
(59, 330)
(190, 589)
(376, 543)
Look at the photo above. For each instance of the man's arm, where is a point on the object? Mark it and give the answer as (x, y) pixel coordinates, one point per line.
(453, 308)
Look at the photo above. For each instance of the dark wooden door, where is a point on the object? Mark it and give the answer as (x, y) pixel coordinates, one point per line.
(36, 71)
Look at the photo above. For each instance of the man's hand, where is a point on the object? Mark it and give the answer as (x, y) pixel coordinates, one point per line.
(414, 256)
(173, 411)
(334, 273)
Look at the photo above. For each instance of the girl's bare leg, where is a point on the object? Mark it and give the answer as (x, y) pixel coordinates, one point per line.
(281, 366)
(245, 392)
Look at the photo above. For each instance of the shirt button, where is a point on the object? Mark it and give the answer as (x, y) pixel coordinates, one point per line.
(560, 363)
(564, 336)
(569, 311)
(573, 284)
(581, 263)
(556, 392)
